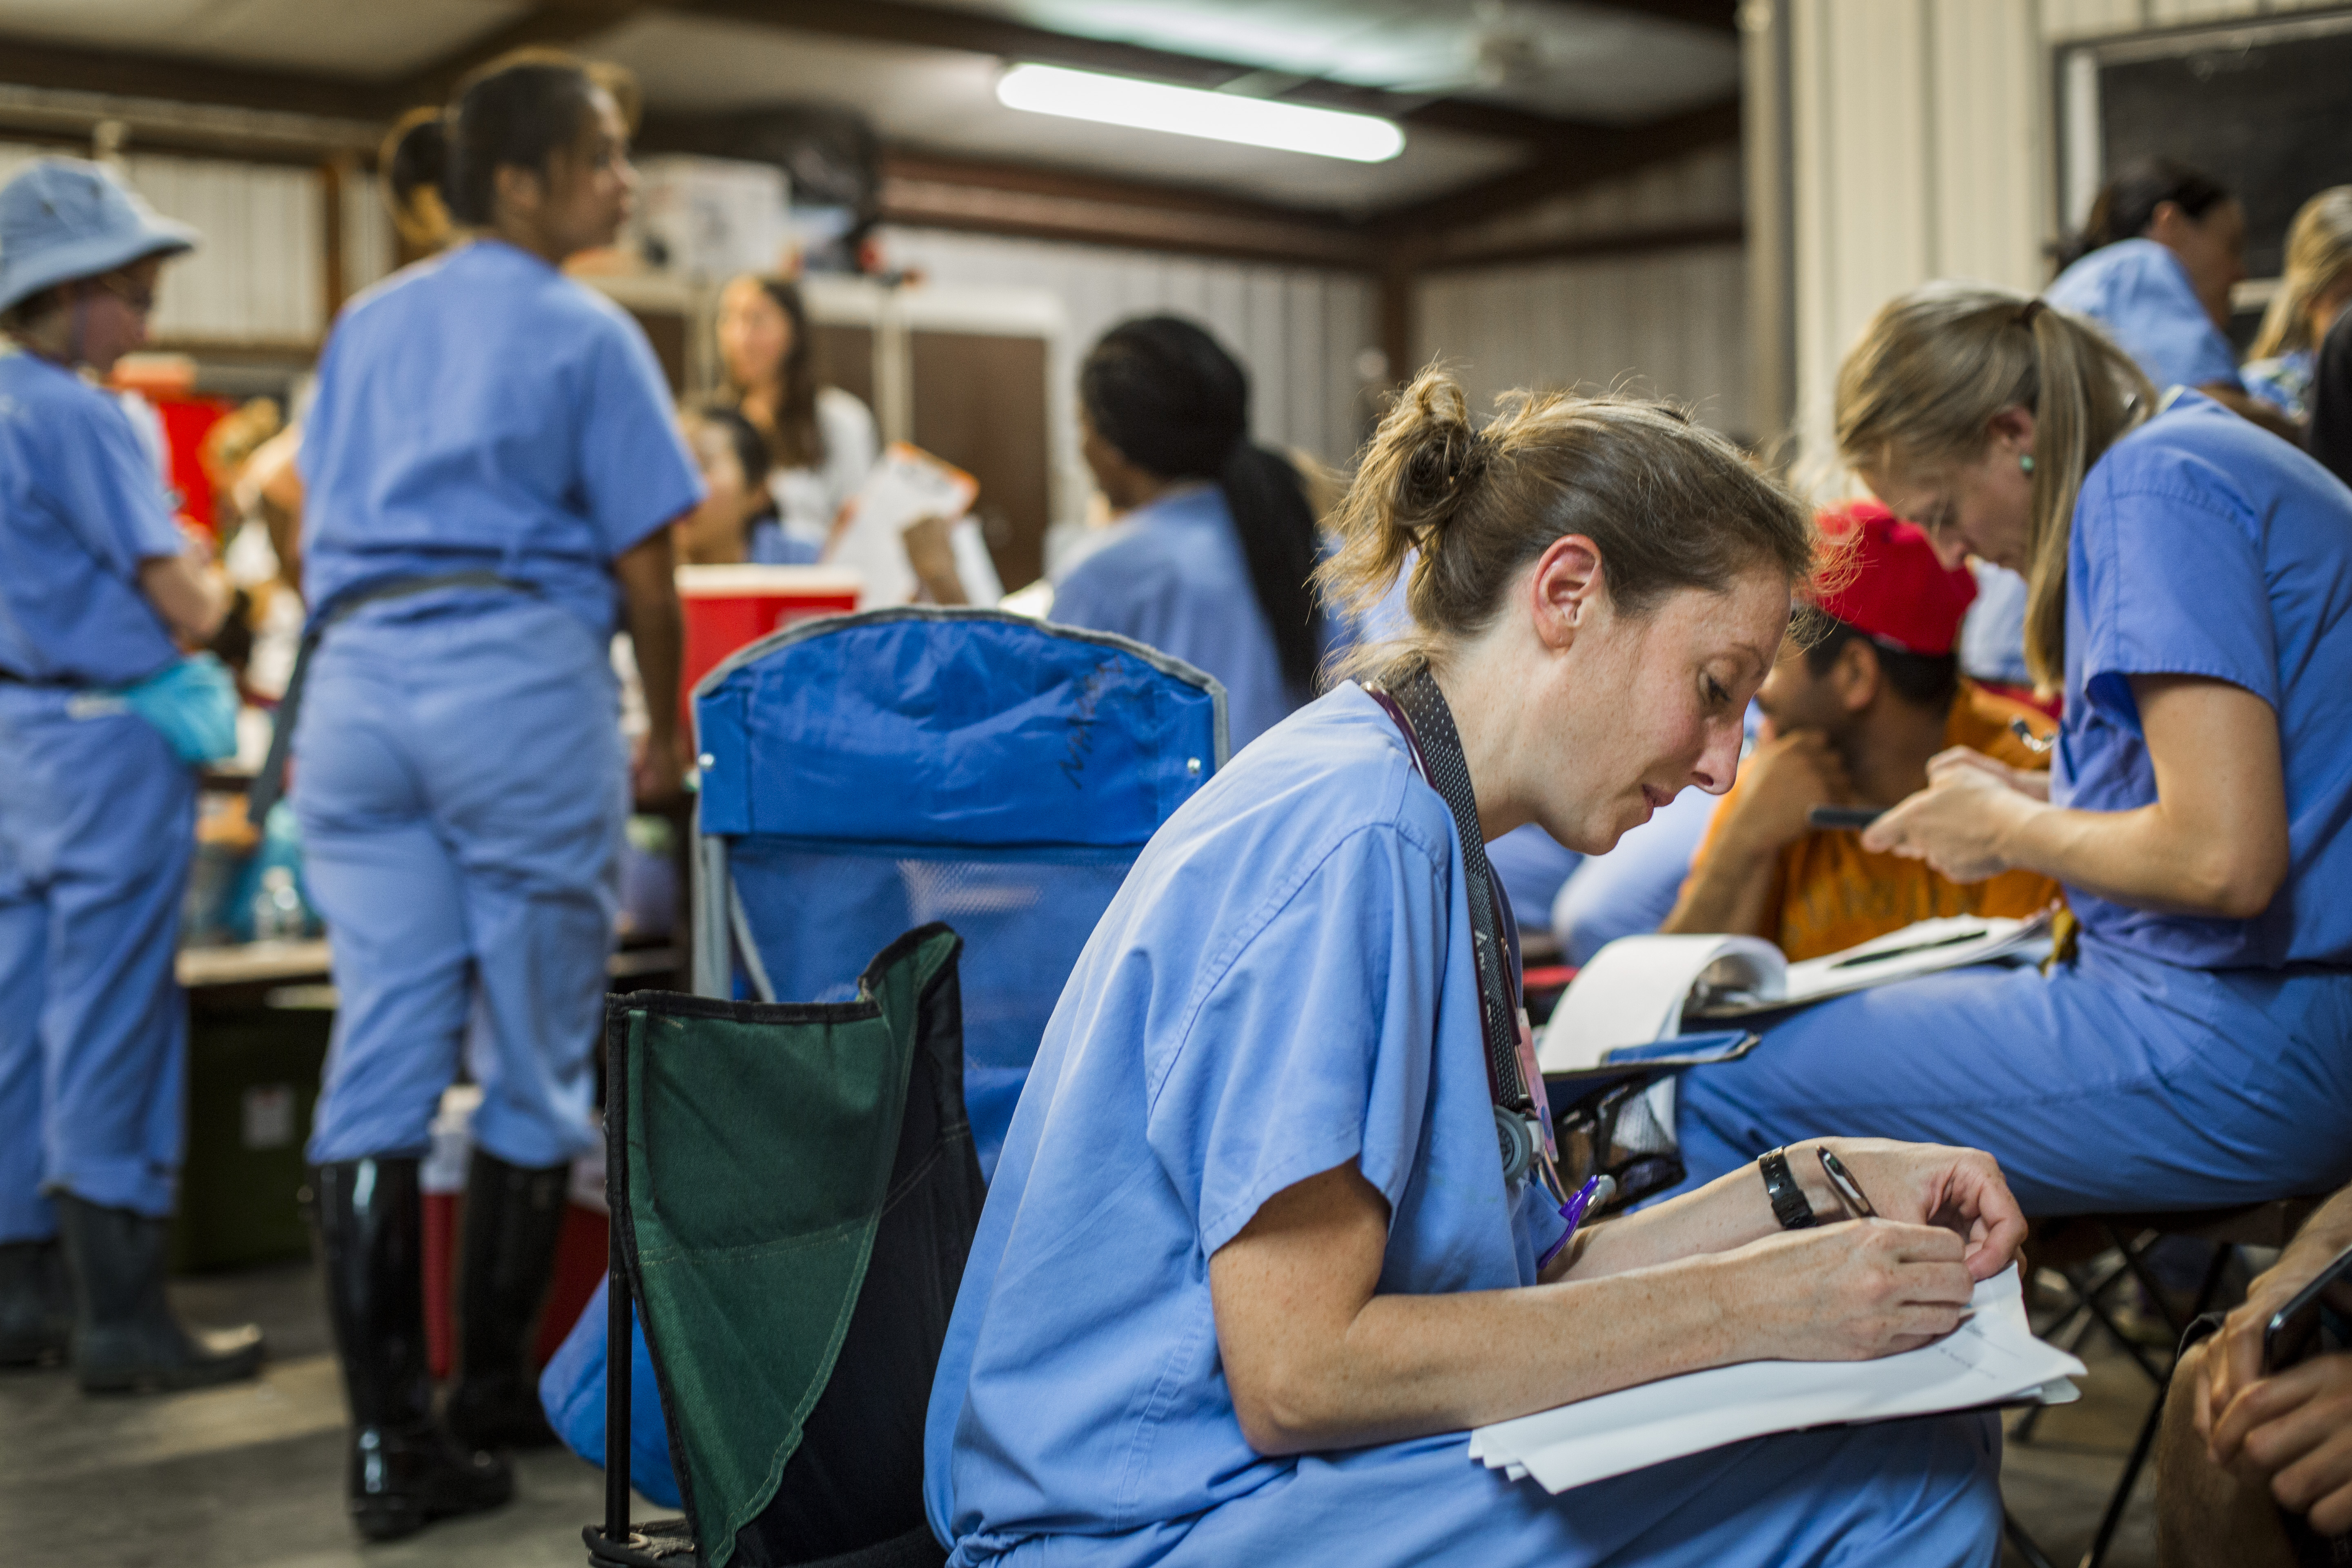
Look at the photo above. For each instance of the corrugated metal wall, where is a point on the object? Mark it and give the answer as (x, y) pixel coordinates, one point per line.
(1299, 330)
(1668, 323)
(1923, 149)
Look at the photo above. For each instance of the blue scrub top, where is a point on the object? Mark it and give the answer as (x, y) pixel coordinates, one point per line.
(1283, 985)
(1172, 576)
(2140, 293)
(2204, 546)
(482, 411)
(81, 505)
(770, 545)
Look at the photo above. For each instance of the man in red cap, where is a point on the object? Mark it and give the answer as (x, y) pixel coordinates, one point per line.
(1854, 719)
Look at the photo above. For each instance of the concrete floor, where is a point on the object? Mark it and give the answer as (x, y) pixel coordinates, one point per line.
(251, 1477)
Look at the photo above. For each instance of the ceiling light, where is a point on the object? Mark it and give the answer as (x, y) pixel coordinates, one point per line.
(1189, 111)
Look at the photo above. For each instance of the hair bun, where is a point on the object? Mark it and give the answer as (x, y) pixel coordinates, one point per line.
(1443, 457)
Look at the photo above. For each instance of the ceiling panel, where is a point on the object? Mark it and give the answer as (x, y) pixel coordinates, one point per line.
(947, 100)
(1586, 62)
(341, 37)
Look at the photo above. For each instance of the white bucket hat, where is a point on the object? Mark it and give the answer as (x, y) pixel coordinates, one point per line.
(63, 218)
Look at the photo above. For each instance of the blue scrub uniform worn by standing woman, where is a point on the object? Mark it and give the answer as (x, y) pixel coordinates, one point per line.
(96, 822)
(2176, 1062)
(1211, 559)
(1195, 1067)
(2138, 290)
(491, 470)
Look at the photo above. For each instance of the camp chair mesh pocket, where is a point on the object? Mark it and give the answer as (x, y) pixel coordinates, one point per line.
(793, 1192)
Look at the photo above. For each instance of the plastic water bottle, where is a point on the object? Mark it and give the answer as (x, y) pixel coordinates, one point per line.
(278, 914)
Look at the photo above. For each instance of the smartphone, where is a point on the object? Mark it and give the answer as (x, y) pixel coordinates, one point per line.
(1854, 816)
(2292, 1333)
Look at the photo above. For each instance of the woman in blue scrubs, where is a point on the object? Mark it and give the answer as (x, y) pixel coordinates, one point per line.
(491, 472)
(99, 591)
(1215, 540)
(2155, 266)
(2191, 597)
(1252, 1261)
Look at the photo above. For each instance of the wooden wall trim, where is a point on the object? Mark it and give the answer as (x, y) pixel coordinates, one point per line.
(1622, 242)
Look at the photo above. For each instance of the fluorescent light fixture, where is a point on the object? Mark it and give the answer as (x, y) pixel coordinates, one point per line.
(1189, 111)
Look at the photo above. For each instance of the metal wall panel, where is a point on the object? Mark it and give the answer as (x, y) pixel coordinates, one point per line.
(1300, 331)
(258, 276)
(1670, 325)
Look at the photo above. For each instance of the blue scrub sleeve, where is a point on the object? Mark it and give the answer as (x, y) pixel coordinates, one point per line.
(1312, 1043)
(634, 465)
(2173, 585)
(104, 486)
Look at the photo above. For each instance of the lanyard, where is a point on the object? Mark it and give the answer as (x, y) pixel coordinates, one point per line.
(1522, 1118)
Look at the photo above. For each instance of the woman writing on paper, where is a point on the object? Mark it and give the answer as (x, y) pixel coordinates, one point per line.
(2191, 597)
(1251, 1259)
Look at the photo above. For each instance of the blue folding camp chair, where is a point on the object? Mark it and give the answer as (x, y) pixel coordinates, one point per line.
(866, 775)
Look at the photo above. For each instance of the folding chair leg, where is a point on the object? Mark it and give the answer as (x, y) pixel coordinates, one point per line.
(2027, 1547)
(620, 1363)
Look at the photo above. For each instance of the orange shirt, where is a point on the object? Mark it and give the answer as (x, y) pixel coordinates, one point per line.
(1830, 893)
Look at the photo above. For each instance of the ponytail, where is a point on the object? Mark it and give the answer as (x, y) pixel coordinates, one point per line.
(414, 164)
(2318, 259)
(1173, 403)
(1668, 506)
(1933, 370)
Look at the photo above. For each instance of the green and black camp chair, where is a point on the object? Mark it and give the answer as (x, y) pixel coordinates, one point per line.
(793, 1191)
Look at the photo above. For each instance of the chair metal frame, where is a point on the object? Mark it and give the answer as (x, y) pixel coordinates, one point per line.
(2130, 1239)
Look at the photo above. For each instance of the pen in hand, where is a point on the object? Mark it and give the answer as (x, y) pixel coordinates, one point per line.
(1849, 1191)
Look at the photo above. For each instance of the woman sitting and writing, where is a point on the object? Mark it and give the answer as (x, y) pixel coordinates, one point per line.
(1252, 1261)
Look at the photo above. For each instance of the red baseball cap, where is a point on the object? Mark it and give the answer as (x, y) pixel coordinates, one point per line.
(1893, 588)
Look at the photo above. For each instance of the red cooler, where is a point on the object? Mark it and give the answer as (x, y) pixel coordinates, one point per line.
(728, 607)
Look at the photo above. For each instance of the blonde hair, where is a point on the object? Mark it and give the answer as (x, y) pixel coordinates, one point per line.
(1936, 366)
(2318, 259)
(1668, 505)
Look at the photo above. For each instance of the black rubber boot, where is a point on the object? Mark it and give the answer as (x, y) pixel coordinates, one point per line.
(35, 1304)
(513, 1216)
(126, 1338)
(406, 1469)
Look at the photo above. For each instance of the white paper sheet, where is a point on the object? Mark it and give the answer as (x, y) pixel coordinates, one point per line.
(1991, 1358)
(904, 486)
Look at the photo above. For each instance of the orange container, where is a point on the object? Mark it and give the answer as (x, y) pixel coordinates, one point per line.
(729, 607)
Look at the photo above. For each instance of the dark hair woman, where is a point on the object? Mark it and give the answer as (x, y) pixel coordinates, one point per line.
(2154, 266)
(821, 439)
(492, 470)
(1253, 1259)
(1212, 555)
(737, 519)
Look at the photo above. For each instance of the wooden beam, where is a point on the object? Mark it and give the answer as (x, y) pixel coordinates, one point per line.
(123, 74)
(929, 191)
(1421, 226)
(1624, 242)
(1715, 15)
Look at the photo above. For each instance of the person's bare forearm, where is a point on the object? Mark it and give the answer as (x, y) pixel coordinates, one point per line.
(1728, 1212)
(2138, 857)
(190, 598)
(657, 633)
(1729, 889)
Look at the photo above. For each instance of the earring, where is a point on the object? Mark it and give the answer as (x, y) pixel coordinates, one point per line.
(2025, 461)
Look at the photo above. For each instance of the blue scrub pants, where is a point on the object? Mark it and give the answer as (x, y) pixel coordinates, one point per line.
(97, 830)
(462, 791)
(2118, 1084)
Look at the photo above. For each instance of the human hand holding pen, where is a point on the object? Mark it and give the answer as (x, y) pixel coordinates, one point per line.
(1958, 1190)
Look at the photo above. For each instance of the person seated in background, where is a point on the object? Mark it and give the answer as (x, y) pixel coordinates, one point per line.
(737, 520)
(1855, 719)
(2254, 1469)
(821, 439)
(2313, 291)
(1210, 556)
(2153, 267)
(2331, 401)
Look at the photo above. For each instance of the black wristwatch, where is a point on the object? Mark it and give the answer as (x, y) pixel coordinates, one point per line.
(1788, 1205)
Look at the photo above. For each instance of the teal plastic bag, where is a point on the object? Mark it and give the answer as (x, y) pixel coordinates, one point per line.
(193, 703)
